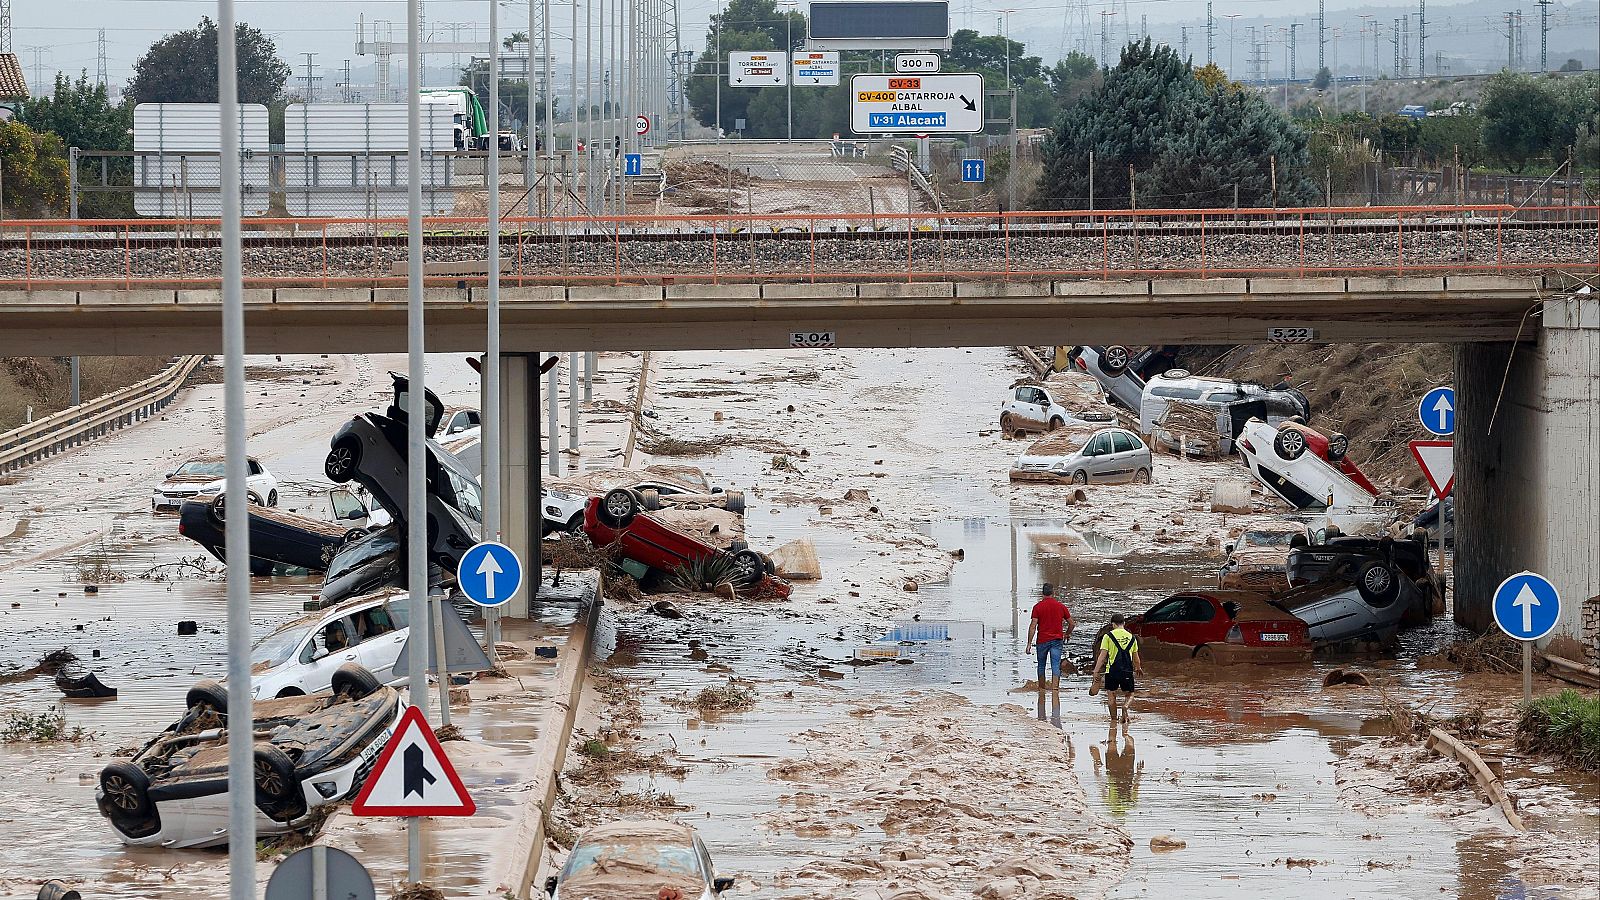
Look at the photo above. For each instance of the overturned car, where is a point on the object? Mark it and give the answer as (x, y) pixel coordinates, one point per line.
(309, 751)
(1362, 589)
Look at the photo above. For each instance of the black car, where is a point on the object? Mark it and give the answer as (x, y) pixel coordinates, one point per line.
(371, 449)
(277, 537)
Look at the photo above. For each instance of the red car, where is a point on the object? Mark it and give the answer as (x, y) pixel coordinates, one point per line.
(1224, 627)
(1294, 438)
(619, 518)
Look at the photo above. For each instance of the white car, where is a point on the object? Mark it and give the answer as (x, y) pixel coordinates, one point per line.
(1080, 455)
(301, 657)
(1225, 406)
(1030, 407)
(641, 858)
(205, 475)
(458, 425)
(1304, 480)
(563, 508)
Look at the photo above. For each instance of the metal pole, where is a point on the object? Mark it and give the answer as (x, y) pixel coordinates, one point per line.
(416, 448)
(553, 421)
(491, 354)
(572, 401)
(788, 53)
(241, 718)
(549, 113)
(1527, 650)
(717, 76)
(589, 360)
(72, 184)
(77, 372)
(319, 872)
(572, 113)
(588, 106)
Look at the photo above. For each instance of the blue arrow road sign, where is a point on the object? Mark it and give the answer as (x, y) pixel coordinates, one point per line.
(489, 574)
(1437, 411)
(1526, 606)
(632, 164)
(972, 170)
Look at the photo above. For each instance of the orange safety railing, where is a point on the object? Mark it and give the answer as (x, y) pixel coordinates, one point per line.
(43, 254)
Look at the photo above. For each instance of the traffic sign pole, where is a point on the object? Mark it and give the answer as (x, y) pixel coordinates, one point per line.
(416, 493)
(1527, 606)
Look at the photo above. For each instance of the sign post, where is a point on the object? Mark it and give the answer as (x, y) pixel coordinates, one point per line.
(1437, 460)
(1437, 411)
(973, 170)
(1526, 607)
(413, 777)
(932, 104)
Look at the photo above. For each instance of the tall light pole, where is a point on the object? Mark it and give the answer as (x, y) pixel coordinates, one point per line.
(1361, 59)
(788, 52)
(1231, 17)
(1006, 13)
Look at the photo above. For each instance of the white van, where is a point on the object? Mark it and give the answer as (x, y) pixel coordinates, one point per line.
(1233, 402)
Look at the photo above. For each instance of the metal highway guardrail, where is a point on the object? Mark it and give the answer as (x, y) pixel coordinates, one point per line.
(43, 255)
(59, 431)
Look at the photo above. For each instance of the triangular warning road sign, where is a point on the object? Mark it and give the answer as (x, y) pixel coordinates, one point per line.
(413, 777)
(1438, 463)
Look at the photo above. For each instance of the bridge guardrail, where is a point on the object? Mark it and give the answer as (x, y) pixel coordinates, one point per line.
(175, 254)
(52, 434)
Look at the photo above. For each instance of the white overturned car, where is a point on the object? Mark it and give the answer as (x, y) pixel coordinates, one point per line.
(1306, 468)
(309, 751)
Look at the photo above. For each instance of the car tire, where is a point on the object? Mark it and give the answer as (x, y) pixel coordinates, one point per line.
(343, 458)
(650, 499)
(733, 501)
(735, 546)
(277, 789)
(1289, 444)
(748, 568)
(1005, 427)
(126, 791)
(1141, 477)
(272, 498)
(355, 534)
(1338, 446)
(254, 499)
(618, 507)
(768, 566)
(208, 694)
(575, 524)
(1056, 423)
(355, 681)
(1203, 654)
(1080, 477)
(1114, 360)
(219, 510)
(1377, 582)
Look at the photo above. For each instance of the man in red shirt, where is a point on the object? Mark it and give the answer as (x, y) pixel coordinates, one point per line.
(1049, 626)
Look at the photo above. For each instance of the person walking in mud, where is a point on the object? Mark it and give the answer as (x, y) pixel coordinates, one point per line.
(1118, 661)
(1049, 626)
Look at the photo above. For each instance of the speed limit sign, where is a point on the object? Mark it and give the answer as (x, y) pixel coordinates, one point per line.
(641, 125)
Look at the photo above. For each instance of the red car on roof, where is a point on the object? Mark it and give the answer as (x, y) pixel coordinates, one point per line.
(1224, 627)
(618, 518)
(1295, 438)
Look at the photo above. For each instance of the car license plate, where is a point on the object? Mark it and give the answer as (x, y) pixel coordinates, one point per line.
(1284, 638)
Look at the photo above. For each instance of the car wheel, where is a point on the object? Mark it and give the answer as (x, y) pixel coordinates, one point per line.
(355, 681)
(254, 499)
(575, 524)
(733, 501)
(735, 546)
(748, 568)
(290, 692)
(1377, 583)
(1203, 654)
(768, 566)
(1056, 423)
(340, 466)
(650, 499)
(355, 534)
(1289, 443)
(1338, 446)
(618, 507)
(1005, 424)
(126, 789)
(207, 695)
(219, 510)
(1114, 360)
(1141, 477)
(276, 786)
(272, 498)
(1080, 477)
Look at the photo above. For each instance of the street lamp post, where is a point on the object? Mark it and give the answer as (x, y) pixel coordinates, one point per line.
(1231, 17)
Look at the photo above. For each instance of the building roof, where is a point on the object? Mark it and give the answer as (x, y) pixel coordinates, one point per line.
(12, 85)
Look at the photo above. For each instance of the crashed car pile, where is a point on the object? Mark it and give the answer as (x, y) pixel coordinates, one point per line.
(1285, 587)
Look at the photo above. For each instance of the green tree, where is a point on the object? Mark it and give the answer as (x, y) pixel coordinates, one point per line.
(1572, 65)
(1186, 143)
(35, 171)
(1447, 138)
(1397, 133)
(182, 68)
(987, 54)
(1071, 77)
(1522, 118)
(745, 25)
(83, 116)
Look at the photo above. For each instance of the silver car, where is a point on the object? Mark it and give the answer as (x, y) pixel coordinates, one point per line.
(1109, 455)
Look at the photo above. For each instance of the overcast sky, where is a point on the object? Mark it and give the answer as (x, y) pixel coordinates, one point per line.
(65, 31)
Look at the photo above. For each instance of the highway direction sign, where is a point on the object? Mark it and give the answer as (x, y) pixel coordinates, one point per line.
(1437, 459)
(1437, 411)
(972, 170)
(413, 777)
(919, 63)
(765, 69)
(342, 875)
(490, 572)
(816, 67)
(1526, 606)
(933, 104)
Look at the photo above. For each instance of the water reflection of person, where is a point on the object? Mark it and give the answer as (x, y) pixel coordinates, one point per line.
(1055, 705)
(1121, 776)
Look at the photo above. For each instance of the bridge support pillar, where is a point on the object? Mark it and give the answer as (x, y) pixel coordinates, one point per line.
(521, 522)
(1527, 491)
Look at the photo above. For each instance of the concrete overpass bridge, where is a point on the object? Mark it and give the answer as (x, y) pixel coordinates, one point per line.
(1501, 284)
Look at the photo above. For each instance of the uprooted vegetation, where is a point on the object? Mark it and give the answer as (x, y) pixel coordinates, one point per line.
(48, 727)
(680, 447)
(1492, 651)
(733, 696)
(704, 574)
(48, 664)
(1567, 725)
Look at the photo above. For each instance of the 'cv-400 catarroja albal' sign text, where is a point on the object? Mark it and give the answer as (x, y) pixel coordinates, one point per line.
(922, 104)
